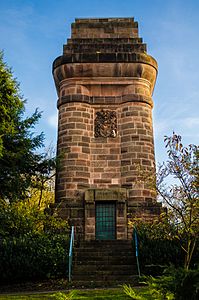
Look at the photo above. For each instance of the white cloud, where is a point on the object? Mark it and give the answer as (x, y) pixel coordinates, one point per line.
(53, 120)
(191, 122)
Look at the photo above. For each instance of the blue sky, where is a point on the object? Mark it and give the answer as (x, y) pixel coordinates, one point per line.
(32, 33)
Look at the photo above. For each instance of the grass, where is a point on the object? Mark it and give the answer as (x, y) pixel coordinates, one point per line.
(79, 295)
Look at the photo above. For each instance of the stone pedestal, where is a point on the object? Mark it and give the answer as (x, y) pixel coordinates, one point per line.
(104, 81)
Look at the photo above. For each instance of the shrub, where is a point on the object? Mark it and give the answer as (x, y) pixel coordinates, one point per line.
(156, 249)
(179, 284)
(33, 242)
(185, 283)
(33, 257)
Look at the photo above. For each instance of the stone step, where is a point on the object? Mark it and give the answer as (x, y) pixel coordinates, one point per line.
(102, 267)
(103, 273)
(99, 253)
(109, 260)
(104, 261)
(104, 278)
(109, 249)
(106, 242)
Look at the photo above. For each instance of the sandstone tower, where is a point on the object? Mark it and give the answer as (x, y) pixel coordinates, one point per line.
(104, 80)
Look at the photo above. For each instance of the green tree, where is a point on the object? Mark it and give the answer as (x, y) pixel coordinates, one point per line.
(182, 196)
(19, 162)
(177, 186)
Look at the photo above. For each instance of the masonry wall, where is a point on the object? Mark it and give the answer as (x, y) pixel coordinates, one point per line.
(105, 80)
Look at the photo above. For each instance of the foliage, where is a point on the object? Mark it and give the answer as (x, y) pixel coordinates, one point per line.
(33, 257)
(177, 186)
(185, 283)
(153, 291)
(26, 217)
(182, 197)
(157, 246)
(19, 163)
(81, 294)
(33, 242)
(63, 296)
(179, 284)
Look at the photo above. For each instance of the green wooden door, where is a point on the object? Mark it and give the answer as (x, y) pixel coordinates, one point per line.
(105, 221)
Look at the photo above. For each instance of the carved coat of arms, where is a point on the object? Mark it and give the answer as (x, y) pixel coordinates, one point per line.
(106, 124)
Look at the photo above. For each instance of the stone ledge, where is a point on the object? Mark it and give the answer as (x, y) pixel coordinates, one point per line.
(110, 100)
(118, 194)
(104, 57)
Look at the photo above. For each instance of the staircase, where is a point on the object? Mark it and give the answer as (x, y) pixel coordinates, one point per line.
(104, 263)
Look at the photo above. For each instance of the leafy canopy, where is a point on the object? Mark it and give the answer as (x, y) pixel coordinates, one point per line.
(19, 162)
(177, 186)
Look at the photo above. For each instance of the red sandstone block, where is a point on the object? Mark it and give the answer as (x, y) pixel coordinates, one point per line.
(80, 162)
(109, 175)
(146, 193)
(95, 175)
(142, 131)
(124, 169)
(80, 179)
(73, 132)
(75, 120)
(86, 139)
(98, 170)
(142, 155)
(82, 174)
(139, 125)
(129, 132)
(136, 161)
(86, 150)
(125, 162)
(114, 151)
(147, 162)
(80, 126)
(132, 113)
(72, 155)
(74, 149)
(134, 149)
(73, 108)
(70, 186)
(99, 164)
(87, 145)
(77, 114)
(127, 126)
(83, 156)
(128, 155)
(100, 151)
(107, 181)
(125, 139)
(114, 163)
(147, 138)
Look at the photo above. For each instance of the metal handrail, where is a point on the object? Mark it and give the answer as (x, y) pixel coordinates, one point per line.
(70, 256)
(136, 249)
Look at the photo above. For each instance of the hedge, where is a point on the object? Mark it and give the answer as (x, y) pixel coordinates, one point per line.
(33, 257)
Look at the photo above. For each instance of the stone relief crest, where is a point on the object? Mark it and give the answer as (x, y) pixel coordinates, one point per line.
(106, 124)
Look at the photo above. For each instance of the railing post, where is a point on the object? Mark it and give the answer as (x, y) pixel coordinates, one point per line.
(70, 256)
(136, 249)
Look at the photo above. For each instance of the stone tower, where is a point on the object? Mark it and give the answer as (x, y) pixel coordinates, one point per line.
(104, 80)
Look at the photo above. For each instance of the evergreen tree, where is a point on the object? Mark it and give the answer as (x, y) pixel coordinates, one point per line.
(19, 162)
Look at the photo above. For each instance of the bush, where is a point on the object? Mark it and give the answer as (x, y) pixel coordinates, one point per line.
(185, 283)
(159, 245)
(179, 284)
(156, 254)
(156, 249)
(33, 257)
(34, 242)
